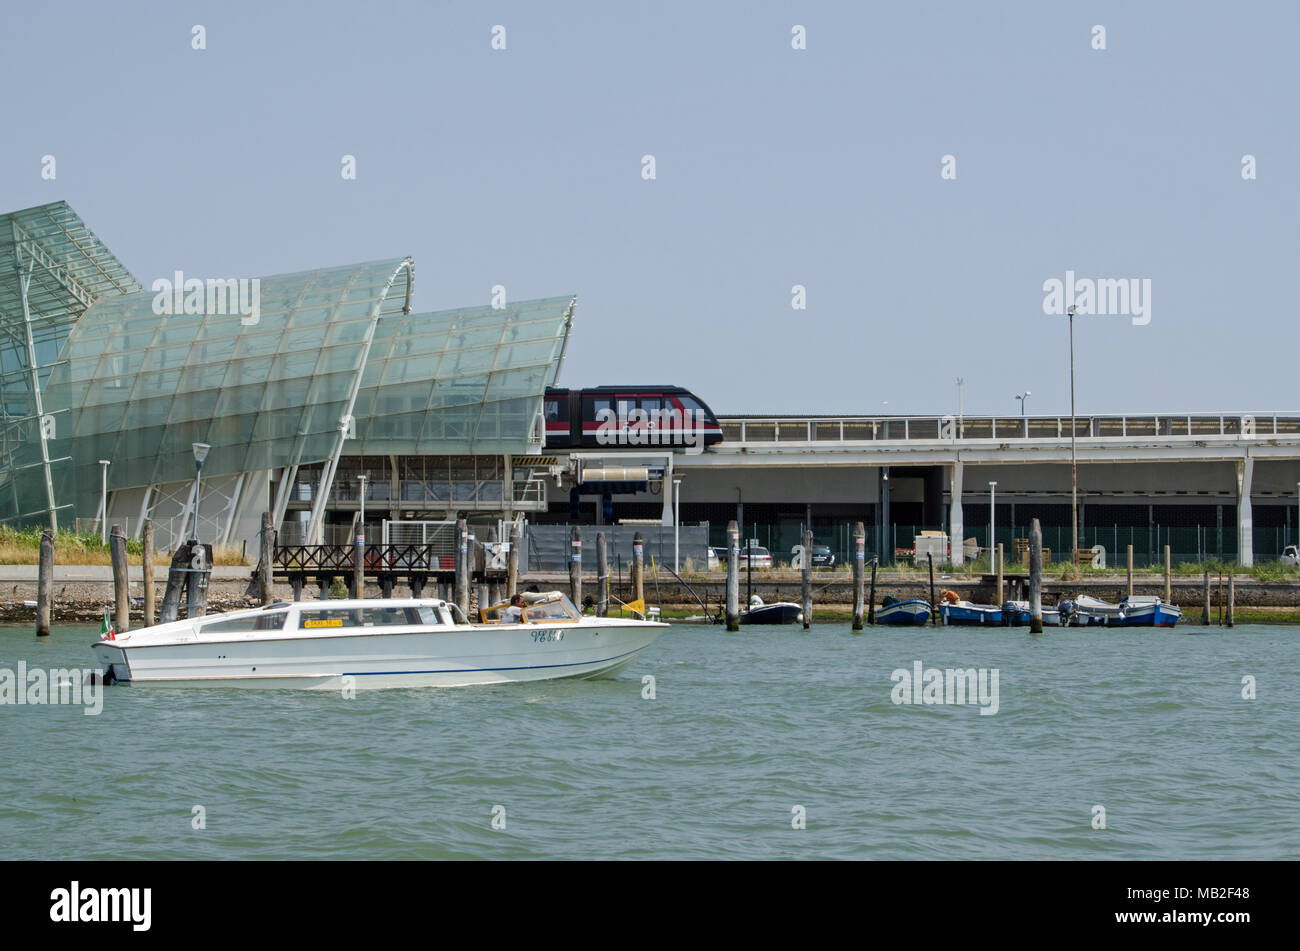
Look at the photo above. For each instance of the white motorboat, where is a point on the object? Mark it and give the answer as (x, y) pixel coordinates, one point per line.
(330, 645)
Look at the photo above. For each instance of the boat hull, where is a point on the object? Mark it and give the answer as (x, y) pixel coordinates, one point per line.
(970, 615)
(456, 657)
(904, 613)
(783, 612)
(1149, 615)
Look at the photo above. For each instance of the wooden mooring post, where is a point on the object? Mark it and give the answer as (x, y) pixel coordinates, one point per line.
(929, 560)
(1232, 598)
(121, 580)
(462, 566)
(358, 585)
(1206, 617)
(146, 571)
(1169, 574)
(859, 571)
(807, 578)
(602, 577)
(637, 571)
(266, 542)
(1035, 577)
(575, 566)
(512, 561)
(998, 602)
(733, 575)
(871, 598)
(45, 584)
(1130, 571)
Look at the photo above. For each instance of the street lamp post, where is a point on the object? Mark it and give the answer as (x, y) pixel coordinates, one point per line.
(1022, 397)
(677, 520)
(200, 453)
(363, 479)
(992, 524)
(961, 416)
(103, 504)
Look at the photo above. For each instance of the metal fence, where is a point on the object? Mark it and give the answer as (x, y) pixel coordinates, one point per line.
(546, 547)
(1196, 543)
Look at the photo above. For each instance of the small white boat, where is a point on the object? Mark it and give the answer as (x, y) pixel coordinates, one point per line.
(1143, 610)
(376, 643)
(1087, 610)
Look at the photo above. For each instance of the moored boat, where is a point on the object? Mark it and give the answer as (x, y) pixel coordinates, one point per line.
(966, 613)
(779, 612)
(903, 612)
(1016, 614)
(1147, 611)
(376, 643)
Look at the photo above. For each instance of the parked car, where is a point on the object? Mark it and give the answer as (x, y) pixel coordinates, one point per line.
(822, 557)
(761, 557)
(1291, 556)
(717, 558)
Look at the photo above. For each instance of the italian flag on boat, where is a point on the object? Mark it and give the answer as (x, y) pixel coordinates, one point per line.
(106, 632)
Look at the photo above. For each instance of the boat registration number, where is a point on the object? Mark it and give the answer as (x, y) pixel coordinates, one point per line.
(542, 637)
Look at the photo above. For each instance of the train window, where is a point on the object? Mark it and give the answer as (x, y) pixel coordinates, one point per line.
(651, 404)
(556, 409)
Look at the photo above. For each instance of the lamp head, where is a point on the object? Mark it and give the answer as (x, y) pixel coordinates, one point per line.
(200, 453)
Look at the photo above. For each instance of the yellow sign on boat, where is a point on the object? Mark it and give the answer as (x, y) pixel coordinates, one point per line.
(329, 622)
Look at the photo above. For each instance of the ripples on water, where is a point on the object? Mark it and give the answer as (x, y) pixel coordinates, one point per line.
(1151, 725)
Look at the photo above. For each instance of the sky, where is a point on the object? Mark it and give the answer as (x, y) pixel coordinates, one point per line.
(774, 167)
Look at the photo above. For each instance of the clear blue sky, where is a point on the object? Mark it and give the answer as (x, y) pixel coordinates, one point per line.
(775, 167)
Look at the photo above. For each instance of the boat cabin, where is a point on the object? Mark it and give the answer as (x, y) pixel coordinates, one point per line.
(553, 607)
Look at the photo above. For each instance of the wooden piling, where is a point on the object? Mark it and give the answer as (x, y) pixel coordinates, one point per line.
(196, 580)
(637, 571)
(1220, 598)
(929, 560)
(146, 570)
(575, 565)
(1035, 577)
(871, 598)
(998, 602)
(45, 584)
(462, 566)
(733, 575)
(176, 576)
(602, 577)
(1206, 618)
(121, 580)
(859, 570)
(1232, 597)
(807, 578)
(512, 561)
(1169, 576)
(1130, 571)
(266, 542)
(494, 586)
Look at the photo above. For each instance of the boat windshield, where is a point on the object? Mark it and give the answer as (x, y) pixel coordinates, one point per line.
(555, 607)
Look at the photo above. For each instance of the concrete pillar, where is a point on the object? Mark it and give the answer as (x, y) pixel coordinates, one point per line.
(1245, 520)
(956, 526)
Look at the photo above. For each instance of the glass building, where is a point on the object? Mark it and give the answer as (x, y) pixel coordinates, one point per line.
(292, 379)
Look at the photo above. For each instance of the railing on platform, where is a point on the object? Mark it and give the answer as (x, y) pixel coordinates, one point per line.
(378, 558)
(840, 429)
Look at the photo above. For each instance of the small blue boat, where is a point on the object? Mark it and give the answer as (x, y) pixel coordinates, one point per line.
(966, 613)
(1146, 611)
(1016, 614)
(903, 612)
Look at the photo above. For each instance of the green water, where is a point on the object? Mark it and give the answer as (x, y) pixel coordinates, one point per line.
(743, 729)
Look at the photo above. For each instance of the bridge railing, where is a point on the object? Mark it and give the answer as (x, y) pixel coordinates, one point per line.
(809, 429)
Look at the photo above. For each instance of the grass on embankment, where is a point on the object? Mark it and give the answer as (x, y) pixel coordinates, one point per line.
(23, 547)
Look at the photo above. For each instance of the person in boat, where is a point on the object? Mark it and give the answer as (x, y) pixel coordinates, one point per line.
(515, 613)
